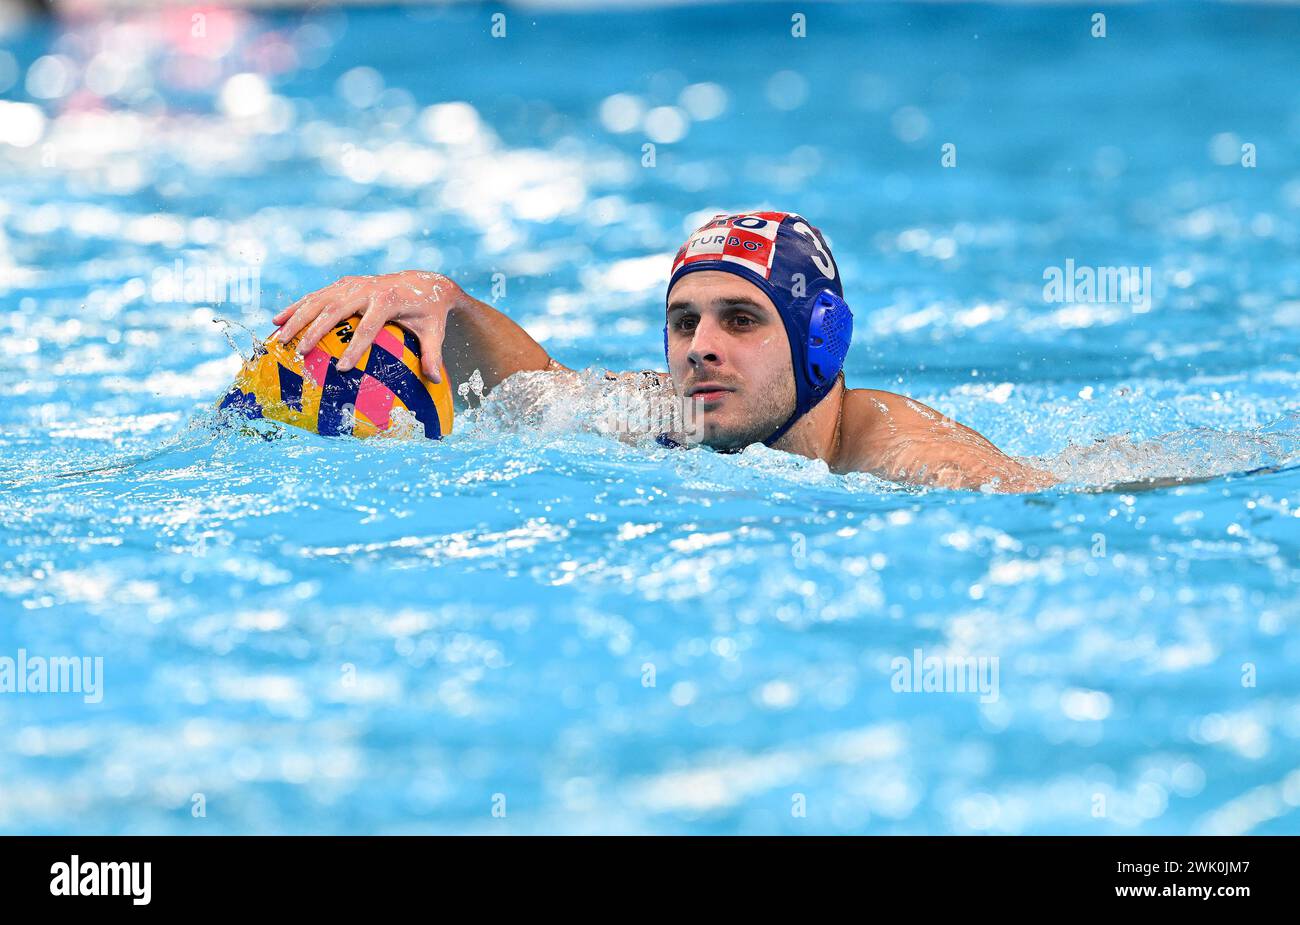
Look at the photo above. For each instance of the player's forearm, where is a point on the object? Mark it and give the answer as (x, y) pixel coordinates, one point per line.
(1002, 474)
(962, 460)
(987, 470)
(957, 456)
(480, 337)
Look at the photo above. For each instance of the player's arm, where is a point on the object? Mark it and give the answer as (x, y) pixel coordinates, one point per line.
(451, 325)
(902, 440)
(481, 338)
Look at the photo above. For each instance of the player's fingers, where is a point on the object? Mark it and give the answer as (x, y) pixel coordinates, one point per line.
(327, 319)
(431, 335)
(373, 320)
(301, 313)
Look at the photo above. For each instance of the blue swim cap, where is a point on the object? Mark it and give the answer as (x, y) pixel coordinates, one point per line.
(780, 253)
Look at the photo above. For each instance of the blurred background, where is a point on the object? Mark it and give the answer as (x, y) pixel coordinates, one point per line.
(308, 143)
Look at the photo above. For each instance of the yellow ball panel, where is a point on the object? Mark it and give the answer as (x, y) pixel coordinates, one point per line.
(386, 394)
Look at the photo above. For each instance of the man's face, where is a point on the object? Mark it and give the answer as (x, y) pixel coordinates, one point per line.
(729, 353)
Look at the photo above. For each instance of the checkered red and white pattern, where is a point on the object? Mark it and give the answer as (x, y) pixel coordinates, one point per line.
(748, 240)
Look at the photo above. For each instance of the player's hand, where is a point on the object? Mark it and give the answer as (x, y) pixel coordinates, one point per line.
(415, 300)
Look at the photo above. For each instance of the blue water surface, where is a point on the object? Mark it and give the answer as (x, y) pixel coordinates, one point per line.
(532, 626)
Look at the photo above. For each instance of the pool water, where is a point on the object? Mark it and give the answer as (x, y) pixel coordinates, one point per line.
(532, 626)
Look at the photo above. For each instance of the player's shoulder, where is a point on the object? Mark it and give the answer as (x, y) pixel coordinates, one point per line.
(876, 424)
(865, 404)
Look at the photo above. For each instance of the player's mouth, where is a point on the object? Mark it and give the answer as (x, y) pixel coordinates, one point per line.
(708, 392)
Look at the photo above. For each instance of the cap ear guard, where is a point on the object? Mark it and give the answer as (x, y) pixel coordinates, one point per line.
(830, 330)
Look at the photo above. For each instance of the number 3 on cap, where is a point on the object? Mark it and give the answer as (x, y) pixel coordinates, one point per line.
(821, 258)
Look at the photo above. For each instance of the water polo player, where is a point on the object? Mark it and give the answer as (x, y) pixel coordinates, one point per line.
(756, 334)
